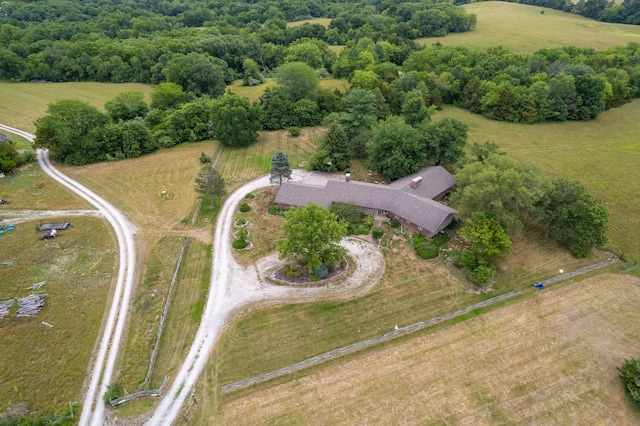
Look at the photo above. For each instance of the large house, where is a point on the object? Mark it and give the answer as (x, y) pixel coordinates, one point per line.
(410, 200)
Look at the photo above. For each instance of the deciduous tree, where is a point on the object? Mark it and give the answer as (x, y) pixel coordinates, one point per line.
(395, 149)
(444, 140)
(312, 236)
(500, 185)
(573, 218)
(235, 120)
(210, 183)
(127, 106)
(297, 80)
(487, 239)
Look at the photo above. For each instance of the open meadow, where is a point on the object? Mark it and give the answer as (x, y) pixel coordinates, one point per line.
(549, 359)
(523, 28)
(253, 93)
(26, 102)
(46, 365)
(603, 154)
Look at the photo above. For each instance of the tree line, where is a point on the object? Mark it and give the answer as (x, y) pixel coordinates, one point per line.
(135, 41)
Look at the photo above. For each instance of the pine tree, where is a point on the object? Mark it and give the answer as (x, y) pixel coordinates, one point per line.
(280, 168)
(210, 182)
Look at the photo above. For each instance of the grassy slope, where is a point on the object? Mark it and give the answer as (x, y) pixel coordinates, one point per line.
(322, 21)
(28, 101)
(549, 359)
(603, 154)
(523, 28)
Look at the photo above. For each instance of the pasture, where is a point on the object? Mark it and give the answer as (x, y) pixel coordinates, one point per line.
(253, 93)
(603, 154)
(321, 21)
(46, 366)
(549, 359)
(26, 102)
(523, 28)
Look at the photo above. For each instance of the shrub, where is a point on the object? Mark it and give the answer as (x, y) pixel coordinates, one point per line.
(483, 274)
(294, 131)
(377, 232)
(424, 248)
(239, 244)
(114, 391)
(241, 222)
(394, 224)
(28, 157)
(244, 207)
(322, 271)
(291, 271)
(242, 234)
(250, 195)
(205, 159)
(630, 375)
(275, 210)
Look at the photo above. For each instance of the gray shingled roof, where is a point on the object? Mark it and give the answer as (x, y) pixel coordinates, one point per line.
(414, 205)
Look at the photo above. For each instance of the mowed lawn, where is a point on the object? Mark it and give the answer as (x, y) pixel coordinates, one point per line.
(23, 103)
(525, 29)
(550, 359)
(603, 154)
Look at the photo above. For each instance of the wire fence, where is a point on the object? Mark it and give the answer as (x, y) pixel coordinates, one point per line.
(388, 336)
(363, 344)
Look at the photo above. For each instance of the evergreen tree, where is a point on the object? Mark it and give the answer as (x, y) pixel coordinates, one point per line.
(280, 168)
(333, 153)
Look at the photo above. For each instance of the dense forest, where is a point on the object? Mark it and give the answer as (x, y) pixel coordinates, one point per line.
(192, 50)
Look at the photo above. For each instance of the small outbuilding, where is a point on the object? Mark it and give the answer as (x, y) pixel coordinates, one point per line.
(58, 226)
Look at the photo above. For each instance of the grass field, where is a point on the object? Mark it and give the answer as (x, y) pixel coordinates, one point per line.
(45, 366)
(28, 101)
(183, 319)
(603, 154)
(30, 188)
(253, 93)
(549, 359)
(322, 21)
(523, 28)
(412, 290)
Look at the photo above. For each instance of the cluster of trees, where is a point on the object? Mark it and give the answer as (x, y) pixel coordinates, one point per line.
(10, 158)
(78, 133)
(498, 193)
(147, 41)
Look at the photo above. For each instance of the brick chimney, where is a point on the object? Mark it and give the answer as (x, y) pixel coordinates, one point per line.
(416, 182)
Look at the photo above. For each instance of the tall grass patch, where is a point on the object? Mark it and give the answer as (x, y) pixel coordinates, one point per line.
(44, 366)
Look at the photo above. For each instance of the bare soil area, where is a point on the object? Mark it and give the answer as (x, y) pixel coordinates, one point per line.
(548, 360)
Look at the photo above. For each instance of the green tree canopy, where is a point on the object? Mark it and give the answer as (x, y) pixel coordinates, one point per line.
(197, 73)
(209, 182)
(235, 120)
(71, 131)
(333, 152)
(127, 106)
(444, 140)
(297, 80)
(414, 110)
(167, 96)
(500, 185)
(312, 236)
(487, 239)
(573, 218)
(280, 168)
(395, 148)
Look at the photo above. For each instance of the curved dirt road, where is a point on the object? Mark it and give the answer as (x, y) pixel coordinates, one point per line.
(93, 405)
(234, 287)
